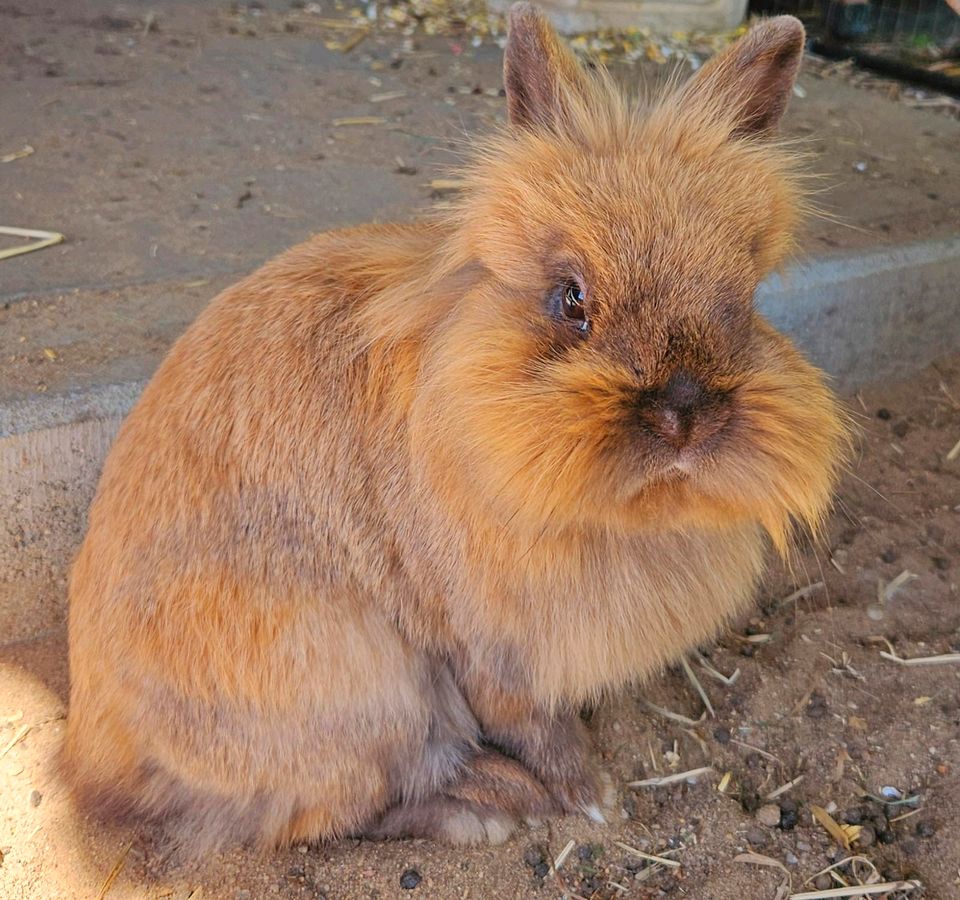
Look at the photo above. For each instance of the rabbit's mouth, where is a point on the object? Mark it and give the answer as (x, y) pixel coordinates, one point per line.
(684, 465)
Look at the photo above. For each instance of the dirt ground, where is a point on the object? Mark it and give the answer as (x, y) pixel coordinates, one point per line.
(814, 700)
(184, 152)
(216, 138)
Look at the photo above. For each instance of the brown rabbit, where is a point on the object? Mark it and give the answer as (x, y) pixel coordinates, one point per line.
(400, 502)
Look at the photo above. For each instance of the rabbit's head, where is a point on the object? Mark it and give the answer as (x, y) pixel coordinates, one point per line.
(606, 364)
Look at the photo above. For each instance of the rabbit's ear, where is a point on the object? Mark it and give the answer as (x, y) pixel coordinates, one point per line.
(753, 78)
(536, 68)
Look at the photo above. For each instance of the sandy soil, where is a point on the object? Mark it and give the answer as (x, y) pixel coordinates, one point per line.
(147, 143)
(814, 700)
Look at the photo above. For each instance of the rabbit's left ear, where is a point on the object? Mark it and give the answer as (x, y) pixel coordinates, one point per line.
(752, 79)
(538, 69)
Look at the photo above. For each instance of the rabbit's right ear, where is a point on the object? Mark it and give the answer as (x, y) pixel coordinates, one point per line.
(537, 67)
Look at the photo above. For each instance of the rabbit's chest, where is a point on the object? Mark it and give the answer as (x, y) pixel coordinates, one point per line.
(598, 619)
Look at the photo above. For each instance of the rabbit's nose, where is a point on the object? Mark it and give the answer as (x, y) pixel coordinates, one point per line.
(675, 412)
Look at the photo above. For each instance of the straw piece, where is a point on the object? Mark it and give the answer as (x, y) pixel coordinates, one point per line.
(359, 120)
(674, 717)
(841, 835)
(784, 788)
(19, 736)
(716, 673)
(562, 858)
(17, 154)
(943, 659)
(858, 890)
(659, 860)
(45, 239)
(698, 687)
(665, 780)
(114, 872)
(758, 859)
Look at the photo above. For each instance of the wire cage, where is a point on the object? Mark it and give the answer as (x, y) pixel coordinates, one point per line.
(916, 40)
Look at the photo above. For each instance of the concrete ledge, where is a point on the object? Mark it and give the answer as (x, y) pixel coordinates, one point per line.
(883, 313)
(665, 16)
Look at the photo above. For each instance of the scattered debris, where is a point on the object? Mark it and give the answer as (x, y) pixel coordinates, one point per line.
(444, 185)
(784, 788)
(940, 660)
(769, 815)
(359, 120)
(387, 96)
(698, 687)
(114, 872)
(858, 890)
(886, 593)
(665, 780)
(19, 736)
(44, 239)
(674, 717)
(844, 835)
(17, 154)
(659, 860)
(758, 859)
(410, 879)
(728, 680)
(562, 856)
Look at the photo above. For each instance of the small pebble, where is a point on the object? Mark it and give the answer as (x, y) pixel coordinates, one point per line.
(889, 555)
(721, 735)
(541, 870)
(817, 707)
(35, 798)
(853, 815)
(791, 859)
(769, 815)
(585, 851)
(823, 882)
(410, 879)
(750, 801)
(926, 829)
(757, 837)
(884, 413)
(532, 857)
(788, 819)
(867, 836)
(804, 847)
(589, 886)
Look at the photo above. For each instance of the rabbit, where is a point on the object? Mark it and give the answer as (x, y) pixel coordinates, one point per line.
(403, 501)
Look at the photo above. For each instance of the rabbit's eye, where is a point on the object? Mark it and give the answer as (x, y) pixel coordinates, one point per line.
(573, 302)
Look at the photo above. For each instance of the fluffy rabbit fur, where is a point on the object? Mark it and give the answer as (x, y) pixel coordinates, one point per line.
(400, 502)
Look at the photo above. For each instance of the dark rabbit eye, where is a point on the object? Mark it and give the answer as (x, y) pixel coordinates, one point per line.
(573, 302)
